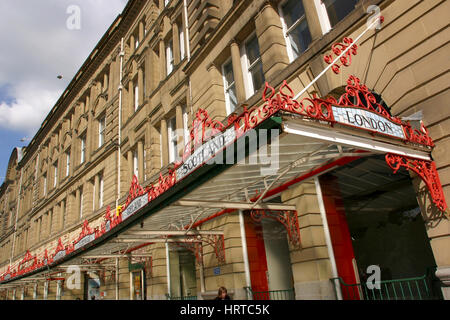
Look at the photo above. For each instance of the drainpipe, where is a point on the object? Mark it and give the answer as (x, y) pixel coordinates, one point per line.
(186, 20)
(202, 276)
(245, 253)
(202, 279)
(121, 54)
(168, 268)
(328, 238)
(188, 53)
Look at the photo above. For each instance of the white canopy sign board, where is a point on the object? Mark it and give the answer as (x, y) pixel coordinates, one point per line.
(367, 120)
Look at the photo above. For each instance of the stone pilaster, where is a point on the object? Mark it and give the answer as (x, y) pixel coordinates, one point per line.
(311, 265)
(140, 150)
(162, 59)
(141, 85)
(165, 143)
(237, 71)
(271, 40)
(176, 43)
(313, 19)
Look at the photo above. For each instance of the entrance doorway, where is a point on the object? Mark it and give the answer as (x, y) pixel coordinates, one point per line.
(138, 285)
(269, 260)
(91, 287)
(183, 279)
(375, 222)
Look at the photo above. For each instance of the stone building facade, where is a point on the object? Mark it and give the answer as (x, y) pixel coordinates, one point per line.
(130, 109)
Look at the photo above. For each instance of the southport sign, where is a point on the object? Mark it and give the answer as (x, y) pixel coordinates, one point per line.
(134, 206)
(205, 152)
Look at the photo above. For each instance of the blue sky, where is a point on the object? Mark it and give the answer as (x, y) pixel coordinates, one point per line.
(36, 45)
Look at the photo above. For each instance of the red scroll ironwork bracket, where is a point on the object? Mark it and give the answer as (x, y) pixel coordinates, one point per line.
(337, 49)
(287, 218)
(194, 244)
(218, 243)
(194, 247)
(426, 170)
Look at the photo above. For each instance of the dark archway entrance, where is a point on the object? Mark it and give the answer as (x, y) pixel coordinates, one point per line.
(375, 220)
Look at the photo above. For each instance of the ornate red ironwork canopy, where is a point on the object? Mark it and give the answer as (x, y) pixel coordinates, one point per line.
(356, 97)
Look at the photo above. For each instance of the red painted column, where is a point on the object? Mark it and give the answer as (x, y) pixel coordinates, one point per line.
(256, 255)
(340, 234)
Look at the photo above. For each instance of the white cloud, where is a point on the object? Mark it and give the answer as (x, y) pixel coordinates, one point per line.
(37, 46)
(29, 109)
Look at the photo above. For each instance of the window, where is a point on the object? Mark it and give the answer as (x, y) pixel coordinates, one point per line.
(45, 184)
(160, 147)
(94, 194)
(169, 57)
(83, 148)
(26, 239)
(100, 193)
(38, 223)
(186, 126)
(181, 36)
(295, 28)
(338, 10)
(136, 43)
(50, 223)
(229, 86)
(81, 203)
(145, 165)
(144, 83)
(97, 194)
(55, 176)
(253, 66)
(105, 81)
(10, 218)
(136, 97)
(172, 134)
(101, 130)
(63, 213)
(45, 229)
(67, 163)
(135, 163)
